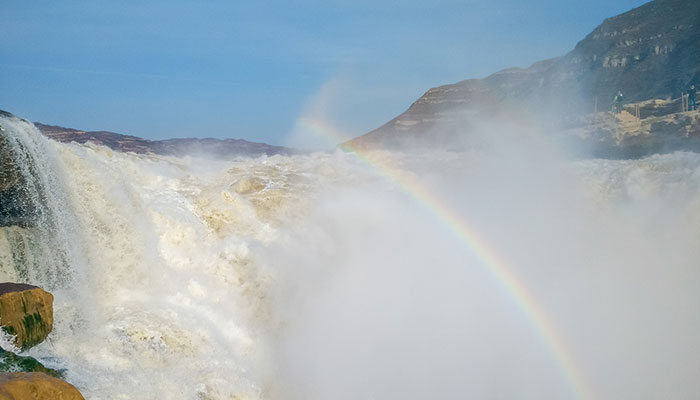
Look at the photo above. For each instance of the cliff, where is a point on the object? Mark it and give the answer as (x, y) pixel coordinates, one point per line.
(608, 135)
(651, 52)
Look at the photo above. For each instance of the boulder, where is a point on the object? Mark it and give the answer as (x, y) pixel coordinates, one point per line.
(35, 386)
(26, 311)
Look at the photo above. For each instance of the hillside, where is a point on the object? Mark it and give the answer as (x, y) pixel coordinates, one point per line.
(220, 148)
(651, 52)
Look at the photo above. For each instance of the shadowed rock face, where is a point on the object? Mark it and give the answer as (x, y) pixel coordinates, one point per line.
(10, 287)
(11, 362)
(15, 205)
(9, 174)
(650, 52)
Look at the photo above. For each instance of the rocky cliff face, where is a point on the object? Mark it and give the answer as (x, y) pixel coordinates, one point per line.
(15, 198)
(649, 52)
(221, 148)
(608, 135)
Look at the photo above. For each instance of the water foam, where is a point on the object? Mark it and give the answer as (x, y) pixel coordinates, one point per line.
(313, 277)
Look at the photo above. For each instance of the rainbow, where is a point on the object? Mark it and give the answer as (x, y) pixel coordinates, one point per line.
(496, 266)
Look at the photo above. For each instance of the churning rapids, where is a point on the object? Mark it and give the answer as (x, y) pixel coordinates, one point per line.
(513, 274)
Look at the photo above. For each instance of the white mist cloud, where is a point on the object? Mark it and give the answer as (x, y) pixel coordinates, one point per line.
(378, 299)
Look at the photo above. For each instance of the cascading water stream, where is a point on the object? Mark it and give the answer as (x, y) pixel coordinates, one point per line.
(38, 233)
(316, 277)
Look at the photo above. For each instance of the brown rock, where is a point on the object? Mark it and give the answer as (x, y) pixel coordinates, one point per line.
(35, 386)
(27, 312)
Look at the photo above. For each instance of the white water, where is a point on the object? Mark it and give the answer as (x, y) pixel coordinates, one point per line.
(315, 277)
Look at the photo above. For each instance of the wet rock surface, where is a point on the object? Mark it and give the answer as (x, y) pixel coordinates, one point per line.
(35, 386)
(26, 311)
(11, 362)
(15, 204)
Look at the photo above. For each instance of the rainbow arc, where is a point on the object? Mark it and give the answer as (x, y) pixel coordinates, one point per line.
(488, 257)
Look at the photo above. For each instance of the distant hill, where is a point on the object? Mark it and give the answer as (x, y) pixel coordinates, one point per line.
(220, 148)
(652, 51)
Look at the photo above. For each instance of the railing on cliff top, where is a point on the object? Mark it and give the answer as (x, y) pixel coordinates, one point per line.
(685, 97)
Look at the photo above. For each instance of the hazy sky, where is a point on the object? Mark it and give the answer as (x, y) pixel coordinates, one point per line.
(251, 69)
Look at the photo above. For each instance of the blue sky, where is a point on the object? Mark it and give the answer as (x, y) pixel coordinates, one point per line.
(252, 69)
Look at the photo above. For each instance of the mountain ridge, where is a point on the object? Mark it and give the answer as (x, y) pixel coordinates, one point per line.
(652, 51)
(220, 148)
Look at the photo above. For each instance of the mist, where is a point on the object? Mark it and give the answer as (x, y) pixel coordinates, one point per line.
(379, 298)
(378, 274)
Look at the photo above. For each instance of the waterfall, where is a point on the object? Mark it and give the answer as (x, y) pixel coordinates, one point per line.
(39, 237)
(319, 277)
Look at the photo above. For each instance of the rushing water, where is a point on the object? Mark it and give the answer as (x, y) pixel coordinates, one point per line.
(324, 277)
